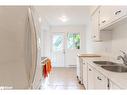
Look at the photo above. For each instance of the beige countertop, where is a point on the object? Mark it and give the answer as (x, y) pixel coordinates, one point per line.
(120, 79)
(88, 55)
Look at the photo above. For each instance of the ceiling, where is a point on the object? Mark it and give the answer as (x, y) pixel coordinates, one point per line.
(76, 15)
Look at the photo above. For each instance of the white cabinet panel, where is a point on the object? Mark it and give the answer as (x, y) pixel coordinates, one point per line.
(85, 74)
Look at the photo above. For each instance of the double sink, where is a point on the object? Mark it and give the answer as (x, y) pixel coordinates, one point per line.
(111, 66)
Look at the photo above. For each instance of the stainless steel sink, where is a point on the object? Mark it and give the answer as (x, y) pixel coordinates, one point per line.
(115, 68)
(104, 63)
(111, 66)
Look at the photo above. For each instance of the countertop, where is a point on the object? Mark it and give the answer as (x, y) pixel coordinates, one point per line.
(120, 79)
(88, 55)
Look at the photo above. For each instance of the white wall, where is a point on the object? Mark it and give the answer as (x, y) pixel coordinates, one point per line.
(45, 38)
(46, 43)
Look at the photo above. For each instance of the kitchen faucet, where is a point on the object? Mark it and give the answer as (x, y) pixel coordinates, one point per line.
(124, 58)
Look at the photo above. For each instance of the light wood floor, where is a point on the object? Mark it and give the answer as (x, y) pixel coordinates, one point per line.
(63, 79)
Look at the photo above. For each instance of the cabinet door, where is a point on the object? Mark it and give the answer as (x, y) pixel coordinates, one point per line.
(90, 77)
(113, 86)
(106, 15)
(110, 14)
(100, 81)
(85, 75)
(118, 12)
(95, 26)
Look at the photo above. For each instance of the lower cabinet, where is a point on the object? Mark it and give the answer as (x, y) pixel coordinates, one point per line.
(90, 77)
(96, 80)
(113, 86)
(100, 81)
(93, 79)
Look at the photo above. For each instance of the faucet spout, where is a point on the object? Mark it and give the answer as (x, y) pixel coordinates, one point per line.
(124, 58)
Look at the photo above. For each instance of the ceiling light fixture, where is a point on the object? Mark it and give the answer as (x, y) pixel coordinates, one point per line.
(64, 18)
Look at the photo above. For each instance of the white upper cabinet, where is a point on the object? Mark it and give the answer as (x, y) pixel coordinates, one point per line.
(106, 18)
(105, 15)
(119, 12)
(95, 26)
(111, 14)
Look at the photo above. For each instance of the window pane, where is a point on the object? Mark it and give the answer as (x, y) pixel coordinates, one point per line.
(57, 43)
(73, 41)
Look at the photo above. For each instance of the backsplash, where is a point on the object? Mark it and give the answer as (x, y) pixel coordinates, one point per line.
(119, 40)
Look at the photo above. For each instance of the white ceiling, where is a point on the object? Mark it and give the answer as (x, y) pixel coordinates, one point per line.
(77, 15)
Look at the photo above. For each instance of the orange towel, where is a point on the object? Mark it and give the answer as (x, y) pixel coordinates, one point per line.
(49, 66)
(45, 73)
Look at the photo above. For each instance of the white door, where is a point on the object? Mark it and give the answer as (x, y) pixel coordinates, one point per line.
(64, 49)
(72, 47)
(58, 50)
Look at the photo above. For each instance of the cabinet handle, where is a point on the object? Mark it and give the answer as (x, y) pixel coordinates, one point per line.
(118, 12)
(99, 78)
(103, 21)
(94, 36)
(90, 70)
(108, 85)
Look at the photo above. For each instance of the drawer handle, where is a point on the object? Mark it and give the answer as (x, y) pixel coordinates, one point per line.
(118, 12)
(103, 21)
(99, 78)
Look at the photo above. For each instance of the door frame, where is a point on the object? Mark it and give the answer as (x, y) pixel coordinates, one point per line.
(65, 43)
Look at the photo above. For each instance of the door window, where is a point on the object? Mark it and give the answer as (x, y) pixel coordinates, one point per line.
(58, 43)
